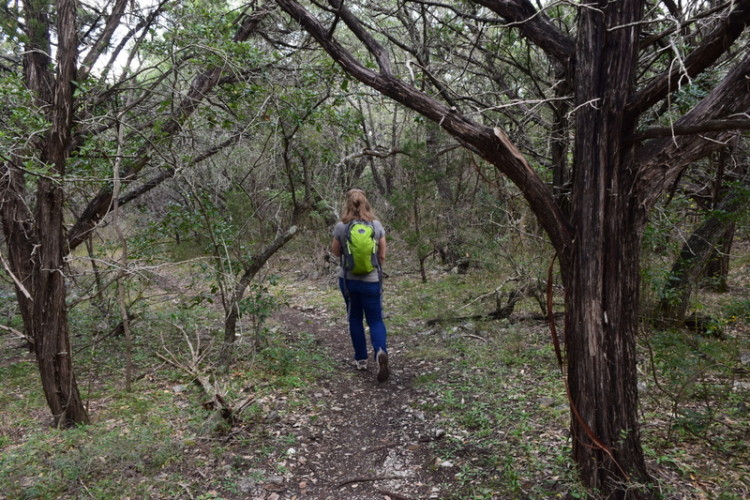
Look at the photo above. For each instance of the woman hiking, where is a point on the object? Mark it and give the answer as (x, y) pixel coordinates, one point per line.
(362, 285)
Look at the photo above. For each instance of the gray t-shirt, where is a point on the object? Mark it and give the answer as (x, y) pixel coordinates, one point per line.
(339, 232)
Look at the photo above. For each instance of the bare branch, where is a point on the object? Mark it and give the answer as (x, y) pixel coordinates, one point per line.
(377, 50)
(101, 44)
(18, 283)
(18, 334)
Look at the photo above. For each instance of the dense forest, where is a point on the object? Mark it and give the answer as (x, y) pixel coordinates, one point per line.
(565, 191)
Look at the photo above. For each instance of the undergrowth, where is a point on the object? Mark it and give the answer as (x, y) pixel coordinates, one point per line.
(493, 388)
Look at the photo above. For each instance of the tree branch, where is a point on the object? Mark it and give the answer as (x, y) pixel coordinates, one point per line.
(492, 144)
(708, 126)
(535, 26)
(377, 50)
(101, 44)
(20, 335)
(713, 47)
(662, 160)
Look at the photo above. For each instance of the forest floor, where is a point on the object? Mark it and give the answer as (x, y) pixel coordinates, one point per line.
(474, 409)
(360, 439)
(364, 439)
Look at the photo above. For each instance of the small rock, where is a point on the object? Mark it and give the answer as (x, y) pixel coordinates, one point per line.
(547, 402)
(246, 484)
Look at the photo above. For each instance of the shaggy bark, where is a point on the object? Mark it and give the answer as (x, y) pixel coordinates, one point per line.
(37, 240)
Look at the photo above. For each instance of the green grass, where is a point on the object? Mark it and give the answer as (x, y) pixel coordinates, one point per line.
(488, 380)
(493, 386)
(148, 443)
(500, 396)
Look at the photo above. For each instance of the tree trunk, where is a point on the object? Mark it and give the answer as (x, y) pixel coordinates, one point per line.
(602, 295)
(49, 322)
(694, 257)
(40, 258)
(17, 228)
(601, 327)
(41, 292)
(717, 270)
(226, 355)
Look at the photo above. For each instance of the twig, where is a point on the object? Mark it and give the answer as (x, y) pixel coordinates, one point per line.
(15, 280)
(187, 490)
(478, 337)
(85, 488)
(394, 496)
(484, 295)
(18, 334)
(367, 479)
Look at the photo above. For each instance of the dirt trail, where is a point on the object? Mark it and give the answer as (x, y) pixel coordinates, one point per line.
(369, 440)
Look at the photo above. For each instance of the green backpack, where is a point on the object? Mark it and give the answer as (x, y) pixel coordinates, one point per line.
(360, 248)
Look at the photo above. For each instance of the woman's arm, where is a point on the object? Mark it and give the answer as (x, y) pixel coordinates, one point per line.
(336, 247)
(381, 250)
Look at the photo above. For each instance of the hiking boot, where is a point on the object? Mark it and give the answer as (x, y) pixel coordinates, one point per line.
(383, 371)
(360, 364)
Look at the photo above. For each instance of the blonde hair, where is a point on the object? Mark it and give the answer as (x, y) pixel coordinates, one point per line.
(356, 207)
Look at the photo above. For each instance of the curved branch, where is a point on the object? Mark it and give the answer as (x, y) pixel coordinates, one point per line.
(535, 26)
(492, 144)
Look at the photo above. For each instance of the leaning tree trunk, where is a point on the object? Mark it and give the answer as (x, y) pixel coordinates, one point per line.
(695, 255)
(602, 286)
(250, 269)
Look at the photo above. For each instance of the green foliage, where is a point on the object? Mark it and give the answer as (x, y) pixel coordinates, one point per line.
(257, 306)
(696, 376)
(22, 120)
(737, 310)
(59, 463)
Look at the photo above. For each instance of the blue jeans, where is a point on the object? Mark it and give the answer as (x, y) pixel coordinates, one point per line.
(364, 302)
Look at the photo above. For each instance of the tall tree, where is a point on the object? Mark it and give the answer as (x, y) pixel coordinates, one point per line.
(617, 73)
(80, 111)
(35, 233)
